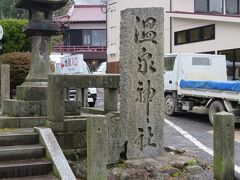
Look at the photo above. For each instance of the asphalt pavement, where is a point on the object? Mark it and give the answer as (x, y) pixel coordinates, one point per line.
(199, 127)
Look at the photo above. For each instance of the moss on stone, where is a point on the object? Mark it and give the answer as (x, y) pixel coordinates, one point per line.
(176, 174)
(122, 164)
(7, 129)
(192, 162)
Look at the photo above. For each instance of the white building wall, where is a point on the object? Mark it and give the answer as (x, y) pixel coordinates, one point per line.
(226, 36)
(183, 5)
(88, 26)
(113, 20)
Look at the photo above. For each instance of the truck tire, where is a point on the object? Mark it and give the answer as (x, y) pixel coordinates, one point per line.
(215, 107)
(169, 105)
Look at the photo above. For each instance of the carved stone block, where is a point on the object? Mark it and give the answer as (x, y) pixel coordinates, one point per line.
(141, 87)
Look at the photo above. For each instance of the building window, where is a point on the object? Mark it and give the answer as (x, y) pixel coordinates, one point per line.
(208, 6)
(99, 37)
(86, 37)
(207, 52)
(169, 63)
(181, 37)
(233, 63)
(195, 35)
(200, 61)
(94, 37)
(232, 6)
(208, 32)
(201, 5)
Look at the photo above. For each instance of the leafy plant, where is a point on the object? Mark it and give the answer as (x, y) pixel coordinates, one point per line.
(14, 40)
(19, 66)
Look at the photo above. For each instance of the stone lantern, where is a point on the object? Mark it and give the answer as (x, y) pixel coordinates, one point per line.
(32, 94)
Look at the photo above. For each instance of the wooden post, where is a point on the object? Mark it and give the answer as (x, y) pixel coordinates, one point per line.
(5, 82)
(223, 145)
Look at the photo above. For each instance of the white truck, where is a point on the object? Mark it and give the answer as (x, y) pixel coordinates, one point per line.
(198, 83)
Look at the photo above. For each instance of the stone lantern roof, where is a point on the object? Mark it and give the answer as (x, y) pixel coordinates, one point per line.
(41, 5)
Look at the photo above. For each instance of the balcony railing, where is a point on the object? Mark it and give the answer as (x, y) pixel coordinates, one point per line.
(79, 49)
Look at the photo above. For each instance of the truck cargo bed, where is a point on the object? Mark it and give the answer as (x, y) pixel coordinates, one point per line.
(229, 90)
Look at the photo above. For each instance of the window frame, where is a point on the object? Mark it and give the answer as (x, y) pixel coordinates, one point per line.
(201, 29)
(234, 76)
(238, 8)
(89, 32)
(208, 8)
(201, 11)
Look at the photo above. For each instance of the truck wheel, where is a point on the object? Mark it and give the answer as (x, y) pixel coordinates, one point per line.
(169, 105)
(215, 107)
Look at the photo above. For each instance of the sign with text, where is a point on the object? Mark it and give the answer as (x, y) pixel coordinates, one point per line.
(71, 64)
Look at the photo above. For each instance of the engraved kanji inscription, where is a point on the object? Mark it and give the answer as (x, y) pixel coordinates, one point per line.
(145, 30)
(145, 62)
(147, 94)
(142, 141)
(139, 140)
(150, 135)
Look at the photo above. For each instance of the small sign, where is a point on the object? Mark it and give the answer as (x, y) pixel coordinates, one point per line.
(71, 64)
(1, 32)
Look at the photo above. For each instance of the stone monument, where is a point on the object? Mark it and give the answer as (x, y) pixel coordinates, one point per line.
(32, 94)
(141, 87)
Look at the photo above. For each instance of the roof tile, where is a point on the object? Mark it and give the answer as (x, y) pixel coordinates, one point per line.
(84, 13)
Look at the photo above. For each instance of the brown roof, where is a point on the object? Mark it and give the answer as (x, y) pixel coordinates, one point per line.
(83, 14)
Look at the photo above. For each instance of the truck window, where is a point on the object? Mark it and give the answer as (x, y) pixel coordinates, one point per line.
(201, 61)
(169, 63)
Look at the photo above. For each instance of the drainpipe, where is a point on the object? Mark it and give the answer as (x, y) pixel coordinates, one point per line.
(171, 38)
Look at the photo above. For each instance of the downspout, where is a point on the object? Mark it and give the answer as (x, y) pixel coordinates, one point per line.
(171, 38)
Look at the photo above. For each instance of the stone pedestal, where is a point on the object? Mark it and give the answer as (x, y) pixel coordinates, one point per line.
(35, 86)
(32, 94)
(141, 87)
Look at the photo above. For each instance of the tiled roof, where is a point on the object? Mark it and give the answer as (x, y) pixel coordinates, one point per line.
(84, 13)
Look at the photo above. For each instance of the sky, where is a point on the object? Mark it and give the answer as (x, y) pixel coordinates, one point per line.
(87, 1)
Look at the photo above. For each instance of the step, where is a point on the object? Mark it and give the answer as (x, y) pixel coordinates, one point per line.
(12, 138)
(25, 168)
(43, 177)
(8, 153)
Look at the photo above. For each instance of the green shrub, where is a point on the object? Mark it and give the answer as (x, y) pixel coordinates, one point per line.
(19, 66)
(14, 40)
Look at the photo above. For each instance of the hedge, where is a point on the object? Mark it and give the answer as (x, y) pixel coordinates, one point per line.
(19, 66)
